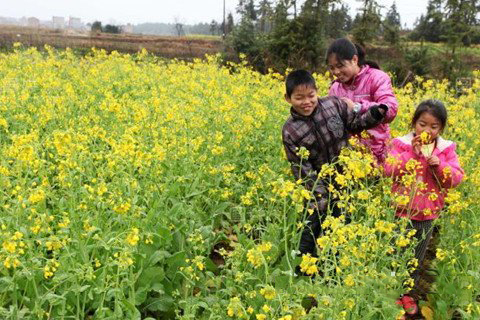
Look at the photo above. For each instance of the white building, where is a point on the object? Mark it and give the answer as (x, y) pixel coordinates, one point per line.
(128, 28)
(75, 23)
(58, 22)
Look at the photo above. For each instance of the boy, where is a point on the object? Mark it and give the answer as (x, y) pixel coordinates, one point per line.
(322, 126)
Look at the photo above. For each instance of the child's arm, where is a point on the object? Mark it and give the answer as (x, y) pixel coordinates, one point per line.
(303, 169)
(357, 122)
(382, 94)
(449, 171)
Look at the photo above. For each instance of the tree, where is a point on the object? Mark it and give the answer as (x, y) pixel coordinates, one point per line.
(246, 8)
(393, 17)
(96, 26)
(367, 23)
(244, 39)
(339, 21)
(281, 38)
(392, 25)
(214, 27)
(110, 28)
(265, 13)
(460, 20)
(230, 24)
(430, 26)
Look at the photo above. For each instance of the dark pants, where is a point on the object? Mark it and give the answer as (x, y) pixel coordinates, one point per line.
(423, 235)
(313, 229)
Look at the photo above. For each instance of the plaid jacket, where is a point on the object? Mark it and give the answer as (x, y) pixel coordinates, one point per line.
(323, 133)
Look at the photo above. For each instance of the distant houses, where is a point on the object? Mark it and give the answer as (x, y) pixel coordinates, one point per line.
(72, 24)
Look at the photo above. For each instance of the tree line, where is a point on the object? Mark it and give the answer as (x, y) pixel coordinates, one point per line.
(280, 34)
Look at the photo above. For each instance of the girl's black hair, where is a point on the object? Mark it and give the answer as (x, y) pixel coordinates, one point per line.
(299, 78)
(435, 107)
(344, 49)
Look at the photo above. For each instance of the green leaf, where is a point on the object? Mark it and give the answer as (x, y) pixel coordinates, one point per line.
(54, 299)
(158, 287)
(141, 295)
(151, 275)
(6, 284)
(159, 255)
(175, 262)
(164, 303)
(133, 312)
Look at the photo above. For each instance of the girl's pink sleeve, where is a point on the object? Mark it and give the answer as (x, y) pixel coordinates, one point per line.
(397, 158)
(382, 94)
(449, 171)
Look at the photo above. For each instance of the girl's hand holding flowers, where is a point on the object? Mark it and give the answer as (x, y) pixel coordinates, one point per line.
(425, 137)
(417, 145)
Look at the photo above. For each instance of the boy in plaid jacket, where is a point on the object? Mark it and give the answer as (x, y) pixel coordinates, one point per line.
(322, 126)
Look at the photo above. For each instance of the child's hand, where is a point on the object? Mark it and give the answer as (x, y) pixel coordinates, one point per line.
(350, 103)
(433, 161)
(417, 145)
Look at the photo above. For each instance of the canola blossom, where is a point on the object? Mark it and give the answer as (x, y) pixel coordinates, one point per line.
(134, 188)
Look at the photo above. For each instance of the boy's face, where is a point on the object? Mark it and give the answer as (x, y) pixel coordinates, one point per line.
(303, 100)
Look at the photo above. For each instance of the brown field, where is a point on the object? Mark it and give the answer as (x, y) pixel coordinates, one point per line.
(165, 46)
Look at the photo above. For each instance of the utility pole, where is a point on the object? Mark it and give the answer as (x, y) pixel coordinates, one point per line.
(224, 25)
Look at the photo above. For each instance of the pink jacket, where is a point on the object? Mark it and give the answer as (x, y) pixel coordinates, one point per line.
(371, 87)
(424, 204)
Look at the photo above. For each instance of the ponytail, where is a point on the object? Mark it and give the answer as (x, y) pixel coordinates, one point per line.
(361, 58)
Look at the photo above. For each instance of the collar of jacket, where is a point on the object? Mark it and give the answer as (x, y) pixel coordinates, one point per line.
(441, 144)
(297, 116)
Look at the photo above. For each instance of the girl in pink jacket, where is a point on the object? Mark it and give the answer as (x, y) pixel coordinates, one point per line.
(433, 164)
(361, 84)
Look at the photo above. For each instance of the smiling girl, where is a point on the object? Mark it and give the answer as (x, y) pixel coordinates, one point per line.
(361, 84)
(436, 170)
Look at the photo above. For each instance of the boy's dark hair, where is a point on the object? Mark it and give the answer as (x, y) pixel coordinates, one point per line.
(344, 49)
(435, 107)
(299, 78)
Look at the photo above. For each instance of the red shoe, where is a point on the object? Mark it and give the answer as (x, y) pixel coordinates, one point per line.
(409, 304)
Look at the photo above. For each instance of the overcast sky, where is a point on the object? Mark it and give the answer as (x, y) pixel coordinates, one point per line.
(138, 11)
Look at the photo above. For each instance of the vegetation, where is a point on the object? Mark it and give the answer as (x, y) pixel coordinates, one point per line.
(137, 188)
(298, 37)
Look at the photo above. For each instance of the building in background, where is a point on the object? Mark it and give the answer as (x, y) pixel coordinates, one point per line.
(75, 23)
(58, 22)
(127, 28)
(33, 22)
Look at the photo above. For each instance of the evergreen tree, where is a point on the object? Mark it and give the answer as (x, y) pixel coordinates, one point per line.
(339, 21)
(97, 26)
(246, 8)
(230, 23)
(280, 45)
(367, 25)
(392, 25)
(430, 26)
(393, 17)
(214, 27)
(265, 13)
(460, 20)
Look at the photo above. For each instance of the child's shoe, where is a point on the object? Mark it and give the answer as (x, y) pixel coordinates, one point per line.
(409, 304)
